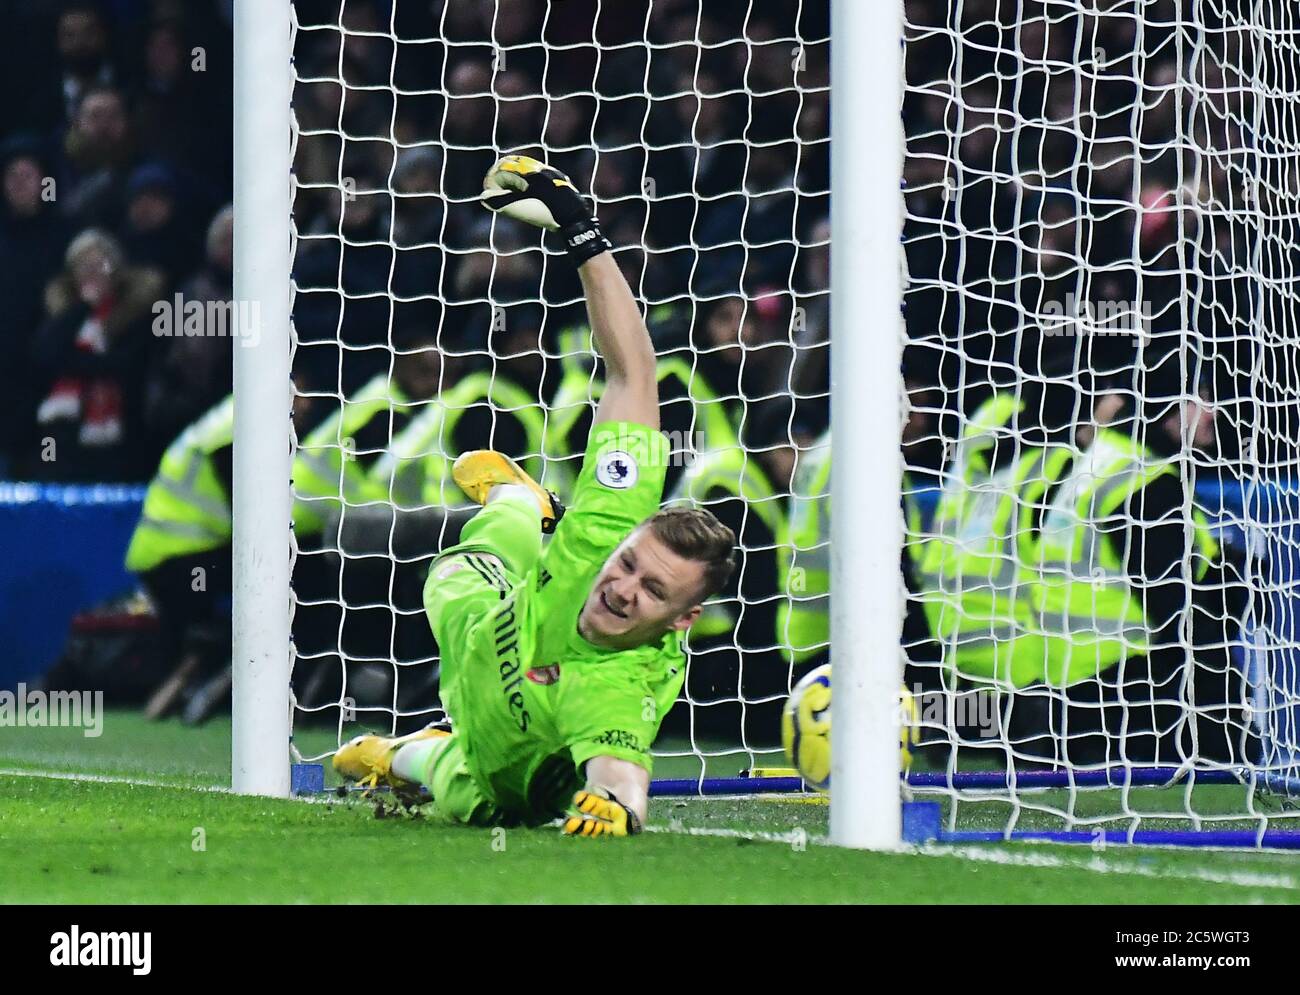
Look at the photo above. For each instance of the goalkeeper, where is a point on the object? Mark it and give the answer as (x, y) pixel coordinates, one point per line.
(559, 663)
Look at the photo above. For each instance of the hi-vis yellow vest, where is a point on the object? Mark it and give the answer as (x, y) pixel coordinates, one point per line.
(577, 349)
(803, 621)
(326, 473)
(577, 343)
(717, 476)
(186, 508)
(1083, 597)
(579, 392)
(416, 470)
(976, 574)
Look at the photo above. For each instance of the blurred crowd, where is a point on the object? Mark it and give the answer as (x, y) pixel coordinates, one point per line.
(1048, 170)
(707, 152)
(116, 159)
(1083, 196)
(701, 131)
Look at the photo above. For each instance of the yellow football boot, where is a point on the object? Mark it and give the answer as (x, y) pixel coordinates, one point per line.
(479, 470)
(368, 760)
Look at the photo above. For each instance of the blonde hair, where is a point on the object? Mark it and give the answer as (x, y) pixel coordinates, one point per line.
(696, 534)
(90, 240)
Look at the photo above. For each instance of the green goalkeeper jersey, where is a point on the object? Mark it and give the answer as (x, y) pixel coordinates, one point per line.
(530, 699)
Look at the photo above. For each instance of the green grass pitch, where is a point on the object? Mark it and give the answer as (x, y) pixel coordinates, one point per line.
(137, 815)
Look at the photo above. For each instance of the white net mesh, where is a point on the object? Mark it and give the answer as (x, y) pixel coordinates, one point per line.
(1102, 422)
(1100, 242)
(425, 327)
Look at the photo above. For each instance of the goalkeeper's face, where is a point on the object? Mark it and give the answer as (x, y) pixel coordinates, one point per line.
(643, 591)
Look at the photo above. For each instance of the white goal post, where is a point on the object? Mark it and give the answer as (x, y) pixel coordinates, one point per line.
(261, 498)
(866, 420)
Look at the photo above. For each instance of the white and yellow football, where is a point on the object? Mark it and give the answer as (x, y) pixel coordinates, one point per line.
(806, 728)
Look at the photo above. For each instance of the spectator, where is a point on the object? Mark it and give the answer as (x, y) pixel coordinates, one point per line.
(156, 231)
(83, 50)
(169, 117)
(419, 222)
(736, 357)
(520, 111)
(1139, 685)
(32, 240)
(99, 151)
(88, 359)
(190, 373)
(53, 91)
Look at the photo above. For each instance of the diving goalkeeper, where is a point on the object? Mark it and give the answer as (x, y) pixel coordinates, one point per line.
(559, 663)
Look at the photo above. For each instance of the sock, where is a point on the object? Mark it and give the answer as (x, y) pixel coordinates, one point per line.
(411, 761)
(514, 493)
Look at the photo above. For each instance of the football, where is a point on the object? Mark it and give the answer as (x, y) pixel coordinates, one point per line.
(806, 728)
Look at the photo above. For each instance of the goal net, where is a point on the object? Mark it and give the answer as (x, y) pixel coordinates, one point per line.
(1100, 220)
(1098, 401)
(424, 326)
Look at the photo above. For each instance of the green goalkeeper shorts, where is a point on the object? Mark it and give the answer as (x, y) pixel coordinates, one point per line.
(456, 794)
(495, 769)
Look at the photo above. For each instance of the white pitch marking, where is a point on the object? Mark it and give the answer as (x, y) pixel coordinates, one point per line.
(1098, 865)
(320, 798)
(56, 775)
(1008, 857)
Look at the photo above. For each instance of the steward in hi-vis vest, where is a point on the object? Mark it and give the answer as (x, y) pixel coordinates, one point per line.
(333, 466)
(187, 506)
(1084, 593)
(181, 551)
(976, 575)
(482, 407)
(1132, 596)
(330, 469)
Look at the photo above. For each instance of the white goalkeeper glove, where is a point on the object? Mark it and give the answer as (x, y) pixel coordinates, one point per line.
(528, 190)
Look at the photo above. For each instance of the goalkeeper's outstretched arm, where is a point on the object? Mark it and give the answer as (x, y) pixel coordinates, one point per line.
(631, 388)
(626, 781)
(533, 192)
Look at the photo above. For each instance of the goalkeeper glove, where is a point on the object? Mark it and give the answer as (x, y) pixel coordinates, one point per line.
(527, 190)
(602, 815)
